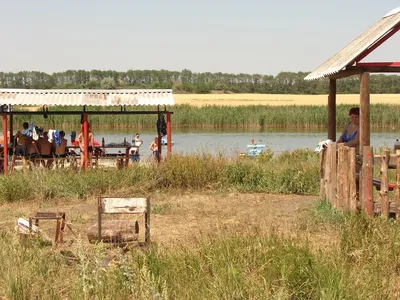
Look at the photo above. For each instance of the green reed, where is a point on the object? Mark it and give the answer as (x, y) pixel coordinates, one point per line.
(252, 117)
(294, 172)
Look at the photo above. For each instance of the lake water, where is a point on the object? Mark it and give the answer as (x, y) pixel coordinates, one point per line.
(233, 142)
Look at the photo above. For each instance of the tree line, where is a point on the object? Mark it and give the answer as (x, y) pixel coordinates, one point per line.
(191, 82)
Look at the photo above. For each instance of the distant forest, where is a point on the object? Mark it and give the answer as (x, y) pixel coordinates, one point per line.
(190, 82)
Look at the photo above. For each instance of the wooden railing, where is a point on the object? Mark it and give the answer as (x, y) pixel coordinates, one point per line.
(347, 182)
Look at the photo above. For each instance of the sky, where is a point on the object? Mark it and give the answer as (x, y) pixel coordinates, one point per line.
(254, 36)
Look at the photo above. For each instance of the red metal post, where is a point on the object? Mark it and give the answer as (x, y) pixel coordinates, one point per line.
(5, 141)
(169, 139)
(85, 140)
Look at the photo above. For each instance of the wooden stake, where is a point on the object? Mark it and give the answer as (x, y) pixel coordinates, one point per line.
(385, 183)
(352, 181)
(366, 183)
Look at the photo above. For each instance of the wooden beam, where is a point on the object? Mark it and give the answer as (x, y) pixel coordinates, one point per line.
(377, 44)
(364, 111)
(332, 110)
(379, 64)
(351, 71)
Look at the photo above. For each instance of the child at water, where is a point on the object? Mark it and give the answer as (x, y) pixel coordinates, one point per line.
(154, 148)
(135, 149)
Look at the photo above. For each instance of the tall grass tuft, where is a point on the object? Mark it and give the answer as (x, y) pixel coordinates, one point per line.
(293, 172)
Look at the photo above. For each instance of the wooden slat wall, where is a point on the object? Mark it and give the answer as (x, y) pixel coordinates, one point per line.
(343, 187)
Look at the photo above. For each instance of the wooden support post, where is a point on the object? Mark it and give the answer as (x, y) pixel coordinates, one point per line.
(5, 146)
(85, 141)
(397, 184)
(385, 183)
(169, 138)
(159, 139)
(99, 212)
(352, 180)
(332, 110)
(147, 221)
(333, 164)
(322, 165)
(366, 184)
(340, 180)
(364, 111)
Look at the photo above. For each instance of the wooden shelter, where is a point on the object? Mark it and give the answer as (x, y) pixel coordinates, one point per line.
(349, 62)
(83, 98)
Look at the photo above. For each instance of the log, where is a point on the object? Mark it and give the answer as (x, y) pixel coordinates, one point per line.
(114, 231)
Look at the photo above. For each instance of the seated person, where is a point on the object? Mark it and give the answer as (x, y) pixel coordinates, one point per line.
(32, 150)
(22, 140)
(45, 149)
(350, 136)
(61, 151)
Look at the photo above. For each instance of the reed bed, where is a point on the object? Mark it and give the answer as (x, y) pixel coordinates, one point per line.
(261, 117)
(294, 172)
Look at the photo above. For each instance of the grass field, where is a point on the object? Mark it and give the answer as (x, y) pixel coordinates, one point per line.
(277, 99)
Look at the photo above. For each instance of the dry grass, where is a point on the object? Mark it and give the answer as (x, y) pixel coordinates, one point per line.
(178, 220)
(277, 100)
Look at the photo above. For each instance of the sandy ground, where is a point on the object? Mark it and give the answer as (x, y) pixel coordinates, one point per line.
(277, 99)
(180, 220)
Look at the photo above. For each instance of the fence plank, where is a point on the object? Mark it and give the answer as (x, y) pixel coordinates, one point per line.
(333, 165)
(384, 182)
(352, 181)
(340, 181)
(397, 184)
(366, 184)
(345, 187)
(322, 164)
(328, 174)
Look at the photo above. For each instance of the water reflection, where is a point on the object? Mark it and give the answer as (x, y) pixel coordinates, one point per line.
(234, 141)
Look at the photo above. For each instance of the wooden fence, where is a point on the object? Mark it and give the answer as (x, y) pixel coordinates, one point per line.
(347, 182)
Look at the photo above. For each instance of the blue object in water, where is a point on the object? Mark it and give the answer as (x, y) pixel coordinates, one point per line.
(255, 149)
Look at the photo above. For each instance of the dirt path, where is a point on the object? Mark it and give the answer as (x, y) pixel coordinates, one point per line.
(182, 219)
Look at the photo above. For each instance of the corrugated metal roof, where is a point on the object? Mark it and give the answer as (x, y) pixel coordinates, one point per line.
(86, 97)
(348, 54)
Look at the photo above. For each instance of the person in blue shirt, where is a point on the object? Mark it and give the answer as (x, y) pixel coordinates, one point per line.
(351, 134)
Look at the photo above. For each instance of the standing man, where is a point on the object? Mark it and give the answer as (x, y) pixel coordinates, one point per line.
(81, 142)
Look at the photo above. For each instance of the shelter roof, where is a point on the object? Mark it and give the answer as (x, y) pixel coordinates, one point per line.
(362, 44)
(67, 97)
